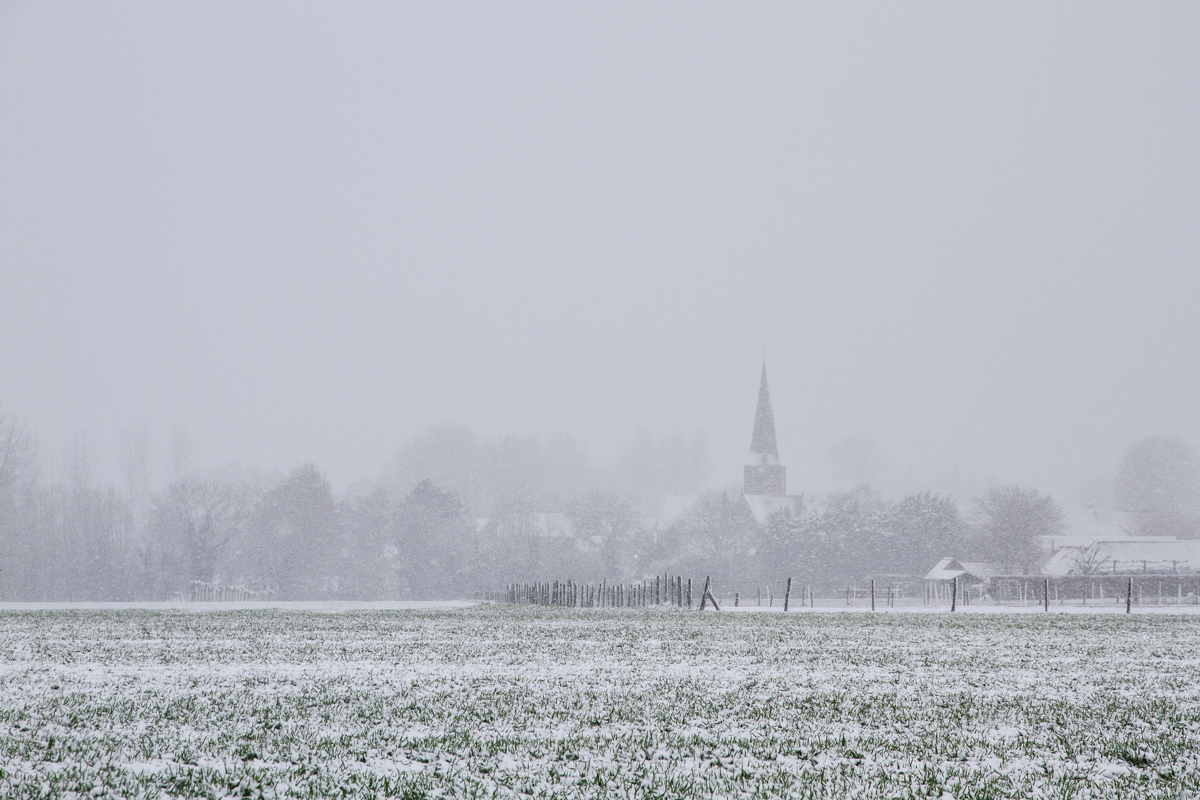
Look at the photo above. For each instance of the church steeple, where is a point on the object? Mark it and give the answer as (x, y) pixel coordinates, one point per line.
(762, 442)
(763, 473)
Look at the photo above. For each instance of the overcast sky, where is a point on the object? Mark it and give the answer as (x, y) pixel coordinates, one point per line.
(301, 232)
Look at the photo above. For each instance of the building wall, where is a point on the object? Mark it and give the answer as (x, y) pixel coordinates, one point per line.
(768, 479)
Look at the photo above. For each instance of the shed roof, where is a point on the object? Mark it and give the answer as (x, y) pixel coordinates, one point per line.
(950, 568)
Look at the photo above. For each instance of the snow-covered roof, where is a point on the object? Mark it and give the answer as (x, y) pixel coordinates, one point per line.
(1143, 554)
(950, 568)
(762, 506)
(1086, 524)
(981, 569)
(1055, 543)
(945, 570)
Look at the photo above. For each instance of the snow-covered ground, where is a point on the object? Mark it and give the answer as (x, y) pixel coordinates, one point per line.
(514, 702)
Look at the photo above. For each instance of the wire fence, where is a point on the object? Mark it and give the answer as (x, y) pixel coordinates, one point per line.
(1011, 591)
(204, 592)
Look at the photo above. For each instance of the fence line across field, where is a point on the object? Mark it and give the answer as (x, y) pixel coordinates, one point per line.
(204, 592)
(675, 591)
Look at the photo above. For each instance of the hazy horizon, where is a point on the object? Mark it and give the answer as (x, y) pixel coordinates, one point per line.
(306, 233)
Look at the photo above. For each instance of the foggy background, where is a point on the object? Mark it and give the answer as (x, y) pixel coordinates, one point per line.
(274, 234)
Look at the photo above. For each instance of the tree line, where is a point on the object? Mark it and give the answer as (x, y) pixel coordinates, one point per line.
(291, 537)
(414, 533)
(849, 537)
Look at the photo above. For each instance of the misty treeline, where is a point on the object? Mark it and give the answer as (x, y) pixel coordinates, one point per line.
(846, 538)
(457, 513)
(419, 531)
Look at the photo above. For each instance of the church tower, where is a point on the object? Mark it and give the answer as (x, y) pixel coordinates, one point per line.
(764, 475)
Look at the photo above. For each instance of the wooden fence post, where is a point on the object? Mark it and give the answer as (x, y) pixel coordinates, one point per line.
(954, 595)
(708, 596)
(690, 593)
(872, 594)
(1046, 593)
(787, 595)
(1129, 597)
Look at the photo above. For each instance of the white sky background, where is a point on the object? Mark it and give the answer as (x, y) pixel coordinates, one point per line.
(306, 232)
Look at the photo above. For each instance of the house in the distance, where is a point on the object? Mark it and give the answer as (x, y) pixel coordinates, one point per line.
(1094, 544)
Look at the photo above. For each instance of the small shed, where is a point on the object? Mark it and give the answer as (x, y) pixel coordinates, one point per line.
(950, 568)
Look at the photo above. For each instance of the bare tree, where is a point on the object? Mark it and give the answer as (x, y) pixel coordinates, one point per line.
(1089, 561)
(194, 521)
(718, 534)
(180, 458)
(1158, 478)
(1011, 518)
(14, 449)
(293, 536)
(922, 528)
(607, 522)
(135, 469)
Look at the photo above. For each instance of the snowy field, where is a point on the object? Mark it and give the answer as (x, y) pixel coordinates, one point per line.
(482, 701)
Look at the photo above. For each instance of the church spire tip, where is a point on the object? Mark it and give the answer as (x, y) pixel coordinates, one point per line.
(762, 442)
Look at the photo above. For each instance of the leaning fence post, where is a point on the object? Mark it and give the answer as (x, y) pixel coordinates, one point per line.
(709, 596)
(704, 597)
(954, 595)
(787, 595)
